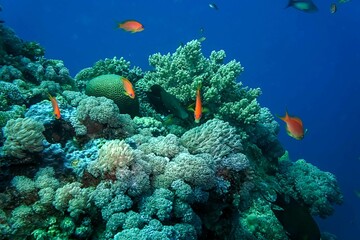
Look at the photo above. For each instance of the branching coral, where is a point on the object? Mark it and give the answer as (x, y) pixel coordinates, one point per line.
(154, 126)
(182, 72)
(317, 189)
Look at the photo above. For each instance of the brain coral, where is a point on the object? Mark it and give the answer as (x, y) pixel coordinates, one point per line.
(111, 86)
(23, 135)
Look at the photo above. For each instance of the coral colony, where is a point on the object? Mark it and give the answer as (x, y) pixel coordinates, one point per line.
(113, 167)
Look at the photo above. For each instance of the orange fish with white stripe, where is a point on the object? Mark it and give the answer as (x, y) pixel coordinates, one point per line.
(128, 88)
(55, 106)
(294, 126)
(198, 106)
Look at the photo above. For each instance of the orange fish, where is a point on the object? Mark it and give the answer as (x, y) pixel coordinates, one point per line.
(132, 26)
(294, 126)
(128, 88)
(198, 106)
(55, 106)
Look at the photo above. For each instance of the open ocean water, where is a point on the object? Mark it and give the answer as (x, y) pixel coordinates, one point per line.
(307, 63)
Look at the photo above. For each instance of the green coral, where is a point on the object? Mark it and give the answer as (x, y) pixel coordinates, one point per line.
(15, 112)
(111, 86)
(182, 72)
(261, 222)
(23, 184)
(316, 188)
(108, 66)
(33, 50)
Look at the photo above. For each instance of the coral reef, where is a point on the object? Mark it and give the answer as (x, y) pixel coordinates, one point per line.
(223, 95)
(96, 173)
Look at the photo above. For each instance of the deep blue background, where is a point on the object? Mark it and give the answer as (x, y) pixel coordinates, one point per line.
(309, 63)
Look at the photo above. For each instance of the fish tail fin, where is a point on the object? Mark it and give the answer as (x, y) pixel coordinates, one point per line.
(116, 24)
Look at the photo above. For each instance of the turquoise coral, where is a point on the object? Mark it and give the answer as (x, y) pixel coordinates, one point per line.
(181, 73)
(316, 188)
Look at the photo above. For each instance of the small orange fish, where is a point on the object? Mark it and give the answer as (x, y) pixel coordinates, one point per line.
(198, 106)
(132, 26)
(55, 106)
(128, 88)
(294, 126)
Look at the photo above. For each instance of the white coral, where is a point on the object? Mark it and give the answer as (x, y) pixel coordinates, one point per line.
(113, 154)
(23, 134)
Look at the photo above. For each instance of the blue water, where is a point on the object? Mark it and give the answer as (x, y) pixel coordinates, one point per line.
(307, 63)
